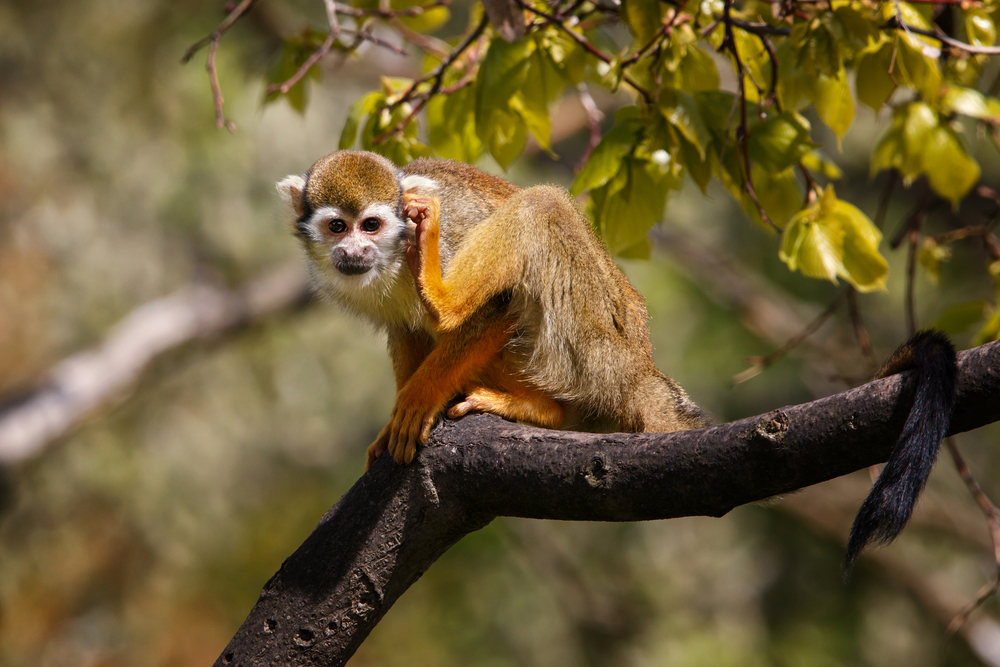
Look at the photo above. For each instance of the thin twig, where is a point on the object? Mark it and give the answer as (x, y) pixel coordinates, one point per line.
(594, 118)
(860, 332)
(911, 270)
(895, 23)
(590, 48)
(213, 80)
(883, 200)
(436, 76)
(226, 24)
(729, 42)
(992, 520)
(758, 364)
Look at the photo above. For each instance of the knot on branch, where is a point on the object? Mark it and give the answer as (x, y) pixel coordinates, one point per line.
(596, 471)
(772, 427)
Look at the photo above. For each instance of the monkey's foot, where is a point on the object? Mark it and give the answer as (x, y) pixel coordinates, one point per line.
(533, 407)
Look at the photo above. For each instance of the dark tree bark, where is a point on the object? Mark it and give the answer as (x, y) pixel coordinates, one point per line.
(388, 529)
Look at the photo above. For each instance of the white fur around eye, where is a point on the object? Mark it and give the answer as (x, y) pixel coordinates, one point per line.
(419, 184)
(383, 212)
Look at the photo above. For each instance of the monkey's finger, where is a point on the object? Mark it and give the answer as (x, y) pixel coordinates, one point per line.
(425, 431)
(413, 260)
(375, 451)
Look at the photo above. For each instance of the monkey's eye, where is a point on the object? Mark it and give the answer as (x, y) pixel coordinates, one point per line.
(371, 225)
(337, 226)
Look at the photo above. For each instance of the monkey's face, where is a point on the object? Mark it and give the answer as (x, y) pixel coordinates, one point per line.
(355, 243)
(349, 219)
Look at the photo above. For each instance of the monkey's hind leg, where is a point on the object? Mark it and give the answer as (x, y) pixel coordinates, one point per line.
(505, 395)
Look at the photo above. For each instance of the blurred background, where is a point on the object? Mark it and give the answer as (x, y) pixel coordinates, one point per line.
(142, 533)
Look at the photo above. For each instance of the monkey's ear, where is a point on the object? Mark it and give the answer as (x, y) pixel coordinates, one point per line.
(420, 185)
(290, 188)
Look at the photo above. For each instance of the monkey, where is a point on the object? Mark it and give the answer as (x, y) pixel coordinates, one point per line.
(505, 298)
(547, 322)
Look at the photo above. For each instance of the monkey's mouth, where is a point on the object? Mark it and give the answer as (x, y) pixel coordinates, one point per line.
(353, 268)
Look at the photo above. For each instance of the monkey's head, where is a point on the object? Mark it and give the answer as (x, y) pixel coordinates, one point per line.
(348, 216)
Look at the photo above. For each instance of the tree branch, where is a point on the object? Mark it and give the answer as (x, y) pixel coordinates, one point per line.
(396, 521)
(85, 382)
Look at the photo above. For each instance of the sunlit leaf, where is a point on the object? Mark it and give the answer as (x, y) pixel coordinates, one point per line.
(779, 194)
(360, 109)
(834, 102)
(951, 171)
(832, 239)
(643, 19)
(681, 111)
(607, 158)
(930, 257)
(864, 267)
(451, 125)
(967, 102)
(873, 81)
(780, 141)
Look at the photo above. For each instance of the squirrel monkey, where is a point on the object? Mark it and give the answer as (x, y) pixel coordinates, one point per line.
(505, 297)
(530, 318)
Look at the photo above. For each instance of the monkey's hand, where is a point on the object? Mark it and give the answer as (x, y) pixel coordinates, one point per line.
(423, 256)
(410, 425)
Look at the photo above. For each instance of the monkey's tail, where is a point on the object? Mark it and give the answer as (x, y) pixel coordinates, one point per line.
(889, 504)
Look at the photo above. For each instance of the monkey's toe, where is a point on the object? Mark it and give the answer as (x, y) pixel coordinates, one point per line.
(463, 408)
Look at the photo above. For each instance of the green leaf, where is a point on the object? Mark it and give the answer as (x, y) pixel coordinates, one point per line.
(873, 81)
(780, 141)
(501, 76)
(951, 171)
(863, 267)
(832, 239)
(700, 168)
(834, 103)
(980, 28)
(361, 109)
(916, 68)
(967, 102)
(507, 138)
(294, 53)
(812, 246)
(930, 257)
(607, 158)
(643, 19)
(960, 317)
(451, 125)
(429, 21)
(816, 161)
(681, 111)
(857, 30)
(890, 150)
(697, 71)
(779, 194)
(820, 54)
(918, 122)
(630, 204)
(640, 250)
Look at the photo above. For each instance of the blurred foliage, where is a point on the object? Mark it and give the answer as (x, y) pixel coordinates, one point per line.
(144, 537)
